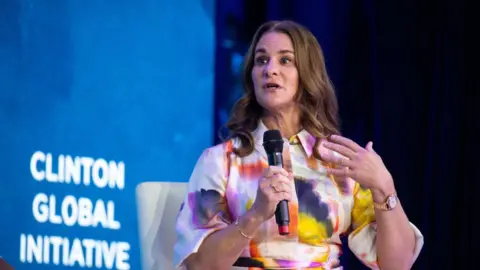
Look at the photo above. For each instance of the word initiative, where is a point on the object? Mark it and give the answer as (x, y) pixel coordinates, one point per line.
(72, 211)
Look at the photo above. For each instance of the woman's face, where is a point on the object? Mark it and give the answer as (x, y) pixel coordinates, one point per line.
(274, 73)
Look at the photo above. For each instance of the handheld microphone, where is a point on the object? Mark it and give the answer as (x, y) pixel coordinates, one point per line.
(273, 144)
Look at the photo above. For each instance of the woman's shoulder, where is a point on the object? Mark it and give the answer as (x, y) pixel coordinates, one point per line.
(222, 149)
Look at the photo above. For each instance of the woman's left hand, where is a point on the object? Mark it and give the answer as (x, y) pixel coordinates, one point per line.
(363, 165)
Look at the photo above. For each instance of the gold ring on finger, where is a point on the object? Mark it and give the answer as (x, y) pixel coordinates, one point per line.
(274, 187)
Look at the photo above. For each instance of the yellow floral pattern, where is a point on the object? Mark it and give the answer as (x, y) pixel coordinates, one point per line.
(310, 231)
(363, 212)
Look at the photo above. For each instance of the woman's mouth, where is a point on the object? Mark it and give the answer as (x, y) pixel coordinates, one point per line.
(271, 86)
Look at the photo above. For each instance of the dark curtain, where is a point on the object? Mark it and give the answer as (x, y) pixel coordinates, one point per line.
(400, 71)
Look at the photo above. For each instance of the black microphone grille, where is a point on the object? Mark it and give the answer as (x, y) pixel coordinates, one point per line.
(272, 141)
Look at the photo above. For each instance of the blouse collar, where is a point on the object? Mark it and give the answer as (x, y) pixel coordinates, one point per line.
(303, 137)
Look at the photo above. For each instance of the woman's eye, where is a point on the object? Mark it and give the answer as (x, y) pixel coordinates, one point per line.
(285, 60)
(261, 60)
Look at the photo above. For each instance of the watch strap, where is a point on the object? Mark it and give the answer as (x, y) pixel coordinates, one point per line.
(385, 205)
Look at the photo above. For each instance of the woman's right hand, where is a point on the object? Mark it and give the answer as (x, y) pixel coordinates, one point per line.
(273, 187)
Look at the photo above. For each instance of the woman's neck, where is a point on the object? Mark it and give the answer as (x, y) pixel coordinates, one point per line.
(288, 124)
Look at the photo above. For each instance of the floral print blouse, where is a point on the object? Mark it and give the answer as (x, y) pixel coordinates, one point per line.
(223, 186)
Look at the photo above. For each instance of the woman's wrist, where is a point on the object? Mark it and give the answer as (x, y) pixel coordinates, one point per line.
(379, 194)
(249, 223)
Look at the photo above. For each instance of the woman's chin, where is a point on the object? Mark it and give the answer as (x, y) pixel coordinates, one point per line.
(278, 109)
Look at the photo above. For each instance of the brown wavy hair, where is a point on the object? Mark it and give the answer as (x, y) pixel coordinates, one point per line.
(316, 96)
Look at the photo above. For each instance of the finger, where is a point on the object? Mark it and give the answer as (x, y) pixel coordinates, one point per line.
(339, 161)
(285, 192)
(341, 172)
(285, 196)
(278, 188)
(369, 146)
(272, 170)
(281, 183)
(277, 180)
(346, 142)
(345, 151)
(282, 179)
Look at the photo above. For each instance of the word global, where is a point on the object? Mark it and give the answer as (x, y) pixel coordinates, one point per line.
(82, 212)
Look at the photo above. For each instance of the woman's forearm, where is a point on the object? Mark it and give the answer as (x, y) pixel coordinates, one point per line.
(222, 248)
(395, 237)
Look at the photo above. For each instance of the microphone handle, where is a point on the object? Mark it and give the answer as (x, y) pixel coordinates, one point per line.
(282, 215)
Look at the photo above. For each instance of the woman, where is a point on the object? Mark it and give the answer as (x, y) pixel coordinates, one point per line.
(333, 185)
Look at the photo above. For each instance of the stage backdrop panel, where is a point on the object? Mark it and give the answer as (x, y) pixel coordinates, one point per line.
(95, 98)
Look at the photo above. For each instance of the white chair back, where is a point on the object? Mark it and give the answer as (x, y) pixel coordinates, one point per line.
(158, 204)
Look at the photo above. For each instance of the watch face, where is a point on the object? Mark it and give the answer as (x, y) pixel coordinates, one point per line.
(392, 202)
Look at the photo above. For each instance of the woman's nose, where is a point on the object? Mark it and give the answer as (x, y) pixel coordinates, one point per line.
(271, 69)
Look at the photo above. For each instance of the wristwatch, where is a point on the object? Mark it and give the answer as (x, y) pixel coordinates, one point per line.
(390, 203)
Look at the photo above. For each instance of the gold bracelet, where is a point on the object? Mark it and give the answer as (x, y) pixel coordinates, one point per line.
(240, 231)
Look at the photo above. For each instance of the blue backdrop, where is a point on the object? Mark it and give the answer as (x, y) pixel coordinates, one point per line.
(95, 98)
